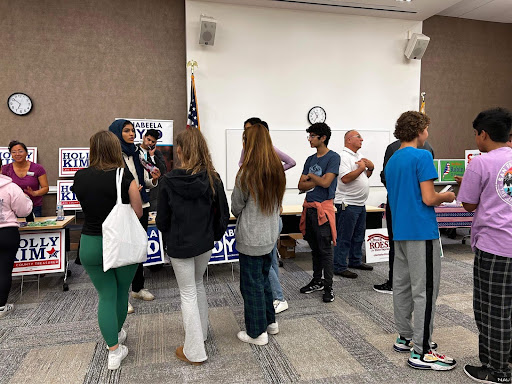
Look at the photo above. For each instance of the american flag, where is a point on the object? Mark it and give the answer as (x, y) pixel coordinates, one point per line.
(193, 117)
(446, 169)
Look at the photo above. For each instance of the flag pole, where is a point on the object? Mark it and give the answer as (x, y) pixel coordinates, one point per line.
(193, 64)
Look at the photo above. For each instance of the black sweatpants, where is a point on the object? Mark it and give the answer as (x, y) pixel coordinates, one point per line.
(319, 238)
(138, 280)
(9, 243)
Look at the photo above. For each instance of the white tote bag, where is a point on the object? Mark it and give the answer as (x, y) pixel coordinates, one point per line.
(125, 241)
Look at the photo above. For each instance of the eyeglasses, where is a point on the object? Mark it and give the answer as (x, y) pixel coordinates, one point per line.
(313, 136)
(20, 152)
(358, 136)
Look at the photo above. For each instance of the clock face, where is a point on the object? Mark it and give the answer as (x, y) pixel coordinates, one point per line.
(19, 103)
(317, 115)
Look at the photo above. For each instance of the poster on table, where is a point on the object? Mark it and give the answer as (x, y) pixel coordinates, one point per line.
(5, 155)
(40, 252)
(65, 196)
(469, 154)
(165, 141)
(72, 160)
(449, 168)
(224, 250)
(436, 164)
(155, 247)
(377, 245)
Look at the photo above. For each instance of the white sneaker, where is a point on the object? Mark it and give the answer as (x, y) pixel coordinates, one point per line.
(260, 340)
(273, 328)
(115, 357)
(280, 306)
(130, 308)
(8, 308)
(143, 294)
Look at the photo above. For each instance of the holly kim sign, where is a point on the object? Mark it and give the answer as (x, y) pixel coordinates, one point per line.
(65, 196)
(40, 252)
(72, 160)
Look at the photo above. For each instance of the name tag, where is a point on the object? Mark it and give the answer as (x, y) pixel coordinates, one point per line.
(30, 173)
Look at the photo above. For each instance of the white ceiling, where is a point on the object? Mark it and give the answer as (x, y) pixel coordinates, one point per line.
(488, 10)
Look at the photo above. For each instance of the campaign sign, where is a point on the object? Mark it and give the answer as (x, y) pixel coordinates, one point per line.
(450, 168)
(155, 247)
(65, 196)
(377, 245)
(5, 155)
(164, 127)
(224, 251)
(72, 160)
(469, 154)
(436, 164)
(40, 252)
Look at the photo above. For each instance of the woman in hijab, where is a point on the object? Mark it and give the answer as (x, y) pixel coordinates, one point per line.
(125, 132)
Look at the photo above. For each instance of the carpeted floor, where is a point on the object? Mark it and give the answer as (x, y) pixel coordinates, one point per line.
(54, 337)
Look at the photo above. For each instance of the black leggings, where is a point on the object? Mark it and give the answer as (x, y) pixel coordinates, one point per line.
(9, 243)
(138, 279)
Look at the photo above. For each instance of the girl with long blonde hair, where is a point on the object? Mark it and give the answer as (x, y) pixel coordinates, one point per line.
(191, 204)
(256, 203)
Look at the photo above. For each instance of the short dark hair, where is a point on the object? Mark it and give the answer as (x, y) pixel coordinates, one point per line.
(496, 122)
(321, 129)
(264, 123)
(252, 120)
(16, 142)
(153, 132)
(410, 124)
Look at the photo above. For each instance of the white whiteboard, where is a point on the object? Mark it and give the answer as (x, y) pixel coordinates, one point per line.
(295, 144)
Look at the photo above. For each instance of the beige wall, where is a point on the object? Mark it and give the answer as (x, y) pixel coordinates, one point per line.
(84, 63)
(467, 68)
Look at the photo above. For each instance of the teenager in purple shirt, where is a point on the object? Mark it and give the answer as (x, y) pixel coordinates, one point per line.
(29, 176)
(486, 189)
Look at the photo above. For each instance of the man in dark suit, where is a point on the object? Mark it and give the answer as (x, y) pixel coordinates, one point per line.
(155, 157)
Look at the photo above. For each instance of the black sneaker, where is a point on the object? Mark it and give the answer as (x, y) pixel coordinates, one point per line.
(328, 296)
(484, 375)
(313, 286)
(384, 288)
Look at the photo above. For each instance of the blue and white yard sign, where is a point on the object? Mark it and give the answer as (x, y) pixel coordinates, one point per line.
(224, 250)
(155, 247)
(72, 160)
(40, 252)
(164, 127)
(65, 196)
(5, 155)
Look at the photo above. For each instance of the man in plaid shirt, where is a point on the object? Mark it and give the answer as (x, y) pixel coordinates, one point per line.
(487, 188)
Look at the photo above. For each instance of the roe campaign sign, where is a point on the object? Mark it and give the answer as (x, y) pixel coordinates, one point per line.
(224, 251)
(65, 196)
(155, 247)
(5, 155)
(71, 160)
(40, 252)
(377, 245)
(164, 127)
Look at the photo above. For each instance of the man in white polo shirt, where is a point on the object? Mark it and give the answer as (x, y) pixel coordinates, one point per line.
(351, 194)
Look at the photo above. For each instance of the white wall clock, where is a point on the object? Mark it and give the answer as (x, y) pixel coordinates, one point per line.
(316, 115)
(19, 103)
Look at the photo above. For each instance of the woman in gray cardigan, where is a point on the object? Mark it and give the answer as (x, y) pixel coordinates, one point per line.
(256, 202)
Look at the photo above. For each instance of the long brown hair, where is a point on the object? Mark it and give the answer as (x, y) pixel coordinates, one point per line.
(196, 155)
(105, 151)
(262, 173)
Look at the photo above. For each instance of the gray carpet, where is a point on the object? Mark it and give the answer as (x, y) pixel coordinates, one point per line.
(54, 337)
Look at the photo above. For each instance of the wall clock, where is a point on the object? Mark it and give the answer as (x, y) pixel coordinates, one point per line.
(19, 103)
(316, 115)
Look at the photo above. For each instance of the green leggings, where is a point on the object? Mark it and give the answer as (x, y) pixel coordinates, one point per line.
(112, 287)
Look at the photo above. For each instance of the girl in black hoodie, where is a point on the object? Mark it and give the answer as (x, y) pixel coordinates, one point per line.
(192, 210)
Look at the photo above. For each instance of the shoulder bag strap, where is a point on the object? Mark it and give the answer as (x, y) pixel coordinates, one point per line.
(119, 178)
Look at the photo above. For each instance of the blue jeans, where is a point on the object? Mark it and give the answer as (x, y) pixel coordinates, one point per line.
(350, 227)
(273, 274)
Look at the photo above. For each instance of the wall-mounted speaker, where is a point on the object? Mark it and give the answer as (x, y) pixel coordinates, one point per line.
(207, 30)
(416, 46)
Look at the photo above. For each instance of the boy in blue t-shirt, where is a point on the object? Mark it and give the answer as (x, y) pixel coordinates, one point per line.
(318, 222)
(410, 175)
